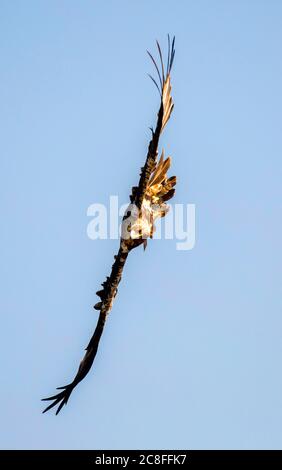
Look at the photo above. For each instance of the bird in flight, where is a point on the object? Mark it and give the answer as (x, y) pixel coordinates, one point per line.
(147, 203)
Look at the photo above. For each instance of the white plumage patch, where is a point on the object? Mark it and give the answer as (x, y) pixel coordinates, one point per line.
(160, 189)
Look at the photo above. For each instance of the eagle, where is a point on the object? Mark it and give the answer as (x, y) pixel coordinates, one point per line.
(148, 202)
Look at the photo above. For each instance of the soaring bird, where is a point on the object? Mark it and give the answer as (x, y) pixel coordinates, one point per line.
(147, 203)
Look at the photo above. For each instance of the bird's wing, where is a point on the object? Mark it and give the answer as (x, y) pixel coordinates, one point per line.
(62, 397)
(164, 113)
(107, 295)
(109, 290)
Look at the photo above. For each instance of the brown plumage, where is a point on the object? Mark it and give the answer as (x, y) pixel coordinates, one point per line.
(148, 202)
(159, 190)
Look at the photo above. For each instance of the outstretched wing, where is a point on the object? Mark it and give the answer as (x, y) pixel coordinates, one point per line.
(166, 107)
(109, 290)
(61, 398)
(107, 295)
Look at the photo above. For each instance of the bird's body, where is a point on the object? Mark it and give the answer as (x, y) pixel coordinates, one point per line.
(148, 202)
(160, 189)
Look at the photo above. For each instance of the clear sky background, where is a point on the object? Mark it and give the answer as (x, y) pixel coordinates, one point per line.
(191, 354)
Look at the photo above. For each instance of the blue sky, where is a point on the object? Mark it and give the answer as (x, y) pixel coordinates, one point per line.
(191, 355)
